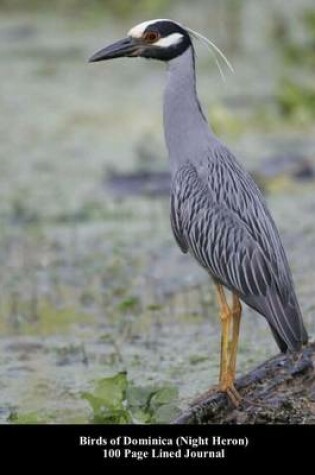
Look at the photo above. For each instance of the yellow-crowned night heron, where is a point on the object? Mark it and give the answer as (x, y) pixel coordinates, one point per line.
(218, 214)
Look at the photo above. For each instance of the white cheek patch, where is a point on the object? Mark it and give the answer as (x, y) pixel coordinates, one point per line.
(170, 40)
(138, 30)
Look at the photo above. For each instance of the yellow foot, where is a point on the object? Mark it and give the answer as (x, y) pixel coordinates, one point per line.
(232, 393)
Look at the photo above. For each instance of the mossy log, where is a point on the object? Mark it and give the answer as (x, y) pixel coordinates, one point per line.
(281, 390)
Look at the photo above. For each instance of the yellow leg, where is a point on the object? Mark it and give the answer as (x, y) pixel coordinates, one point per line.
(225, 316)
(237, 313)
(228, 348)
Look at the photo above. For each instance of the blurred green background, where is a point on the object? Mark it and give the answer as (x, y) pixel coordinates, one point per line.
(96, 299)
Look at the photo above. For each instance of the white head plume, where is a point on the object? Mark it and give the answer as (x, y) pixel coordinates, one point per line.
(213, 50)
(138, 30)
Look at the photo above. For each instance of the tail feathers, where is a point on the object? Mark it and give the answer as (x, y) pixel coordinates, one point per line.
(285, 320)
(287, 323)
(281, 343)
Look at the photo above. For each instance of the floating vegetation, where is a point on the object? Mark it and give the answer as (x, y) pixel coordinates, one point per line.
(91, 281)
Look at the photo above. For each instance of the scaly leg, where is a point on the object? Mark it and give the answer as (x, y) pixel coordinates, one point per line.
(236, 319)
(225, 316)
(237, 313)
(227, 347)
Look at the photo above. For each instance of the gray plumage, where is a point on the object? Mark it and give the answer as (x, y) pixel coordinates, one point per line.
(219, 215)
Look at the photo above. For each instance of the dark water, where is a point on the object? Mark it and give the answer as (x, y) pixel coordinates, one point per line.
(91, 283)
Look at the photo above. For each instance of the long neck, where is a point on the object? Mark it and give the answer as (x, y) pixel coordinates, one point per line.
(185, 127)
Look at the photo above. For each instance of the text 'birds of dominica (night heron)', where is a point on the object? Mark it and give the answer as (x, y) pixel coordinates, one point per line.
(218, 214)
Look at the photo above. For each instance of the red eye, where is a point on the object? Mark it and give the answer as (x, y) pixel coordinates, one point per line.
(151, 36)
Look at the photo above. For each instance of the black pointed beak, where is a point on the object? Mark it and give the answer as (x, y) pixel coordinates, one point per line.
(125, 47)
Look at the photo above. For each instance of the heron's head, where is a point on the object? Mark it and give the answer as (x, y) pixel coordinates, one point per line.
(155, 39)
